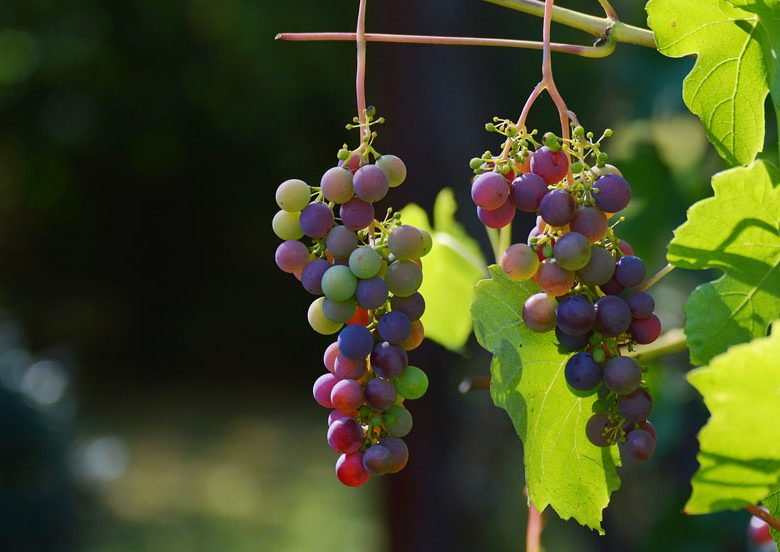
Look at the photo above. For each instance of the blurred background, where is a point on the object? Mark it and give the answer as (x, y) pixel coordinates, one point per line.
(156, 367)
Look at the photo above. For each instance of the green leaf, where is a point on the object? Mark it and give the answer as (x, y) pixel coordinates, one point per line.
(562, 468)
(734, 42)
(738, 232)
(772, 502)
(450, 271)
(739, 448)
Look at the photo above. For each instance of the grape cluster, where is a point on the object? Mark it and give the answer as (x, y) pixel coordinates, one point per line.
(588, 276)
(366, 274)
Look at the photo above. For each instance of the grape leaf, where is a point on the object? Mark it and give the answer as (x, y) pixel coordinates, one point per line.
(450, 271)
(562, 468)
(735, 42)
(772, 502)
(738, 232)
(739, 447)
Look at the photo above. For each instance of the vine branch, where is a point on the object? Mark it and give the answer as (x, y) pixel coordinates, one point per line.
(764, 515)
(360, 73)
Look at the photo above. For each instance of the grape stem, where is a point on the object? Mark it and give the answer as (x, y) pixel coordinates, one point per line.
(360, 73)
(655, 278)
(764, 515)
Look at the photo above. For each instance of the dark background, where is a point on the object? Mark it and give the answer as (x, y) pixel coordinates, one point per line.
(155, 365)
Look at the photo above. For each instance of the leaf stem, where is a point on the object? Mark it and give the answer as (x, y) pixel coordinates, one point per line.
(504, 240)
(601, 27)
(533, 532)
(764, 515)
(655, 278)
(495, 242)
(573, 49)
(671, 342)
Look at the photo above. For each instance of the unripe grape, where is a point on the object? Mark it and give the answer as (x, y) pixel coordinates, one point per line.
(600, 267)
(427, 242)
(291, 256)
(412, 384)
(364, 262)
(572, 251)
(590, 222)
(338, 311)
(554, 279)
(286, 225)
(341, 242)
(397, 421)
(370, 183)
(490, 190)
(403, 277)
(338, 283)
(318, 321)
(415, 338)
(312, 274)
(336, 185)
(406, 242)
(293, 195)
(519, 262)
(539, 312)
(394, 168)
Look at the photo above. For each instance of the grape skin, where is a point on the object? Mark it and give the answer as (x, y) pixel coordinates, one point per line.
(311, 278)
(339, 312)
(613, 315)
(341, 242)
(397, 421)
(291, 256)
(388, 361)
(318, 321)
(316, 220)
(286, 225)
(583, 373)
(641, 304)
(614, 193)
(636, 406)
(595, 428)
(640, 445)
(406, 242)
(380, 394)
(322, 389)
(329, 358)
(345, 435)
(394, 327)
(570, 343)
(364, 262)
(371, 293)
(377, 459)
(355, 342)
(338, 283)
(403, 277)
(347, 368)
(399, 453)
(415, 338)
(347, 396)
(629, 271)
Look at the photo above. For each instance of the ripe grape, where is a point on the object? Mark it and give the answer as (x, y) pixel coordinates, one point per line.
(318, 321)
(629, 271)
(338, 311)
(612, 287)
(377, 459)
(625, 247)
(613, 316)
(293, 195)
(349, 369)
(519, 262)
(380, 394)
(394, 168)
(370, 183)
(356, 214)
(316, 220)
(645, 330)
(552, 166)
(528, 191)
(590, 222)
(639, 444)
(575, 315)
(572, 251)
(336, 415)
(583, 373)
(399, 453)
(394, 327)
(490, 190)
(415, 337)
(355, 342)
(646, 426)
(403, 277)
(345, 435)
(554, 279)
(329, 358)
(497, 218)
(596, 429)
(336, 185)
(347, 396)
(642, 304)
(338, 283)
(322, 389)
(539, 312)
(412, 384)
(614, 193)
(406, 242)
(635, 407)
(388, 361)
(311, 278)
(557, 208)
(571, 343)
(371, 293)
(397, 421)
(286, 225)
(600, 268)
(622, 375)
(350, 470)
(364, 262)
(412, 306)
(291, 256)
(341, 242)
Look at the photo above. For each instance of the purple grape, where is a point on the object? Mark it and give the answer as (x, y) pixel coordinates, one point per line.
(552, 166)
(572, 251)
(399, 453)
(341, 242)
(403, 277)
(640, 445)
(583, 373)
(595, 429)
(613, 316)
(311, 278)
(629, 271)
(350, 470)
(377, 460)
(291, 256)
(406, 242)
(355, 342)
(635, 407)
(554, 279)
(622, 375)
(388, 361)
(347, 396)
(600, 268)
(316, 220)
(371, 293)
(336, 185)
(490, 190)
(412, 306)
(356, 214)
(394, 327)
(497, 218)
(528, 191)
(557, 208)
(575, 315)
(614, 193)
(539, 312)
(625, 247)
(322, 389)
(646, 330)
(336, 415)
(346, 368)
(571, 343)
(345, 435)
(642, 304)
(612, 287)
(370, 183)
(380, 394)
(645, 426)
(590, 222)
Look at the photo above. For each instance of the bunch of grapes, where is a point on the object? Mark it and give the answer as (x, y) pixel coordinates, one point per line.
(588, 276)
(366, 274)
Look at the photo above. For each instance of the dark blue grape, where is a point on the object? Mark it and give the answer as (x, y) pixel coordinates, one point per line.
(355, 342)
(641, 304)
(613, 316)
(635, 407)
(557, 208)
(316, 220)
(394, 327)
(371, 293)
(622, 375)
(640, 445)
(614, 193)
(612, 287)
(571, 343)
(312, 274)
(575, 315)
(388, 361)
(583, 373)
(629, 271)
(412, 306)
(596, 428)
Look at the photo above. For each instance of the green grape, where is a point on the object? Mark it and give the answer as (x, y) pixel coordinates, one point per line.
(398, 421)
(406, 242)
(338, 283)
(339, 312)
(293, 195)
(319, 321)
(412, 384)
(286, 225)
(403, 277)
(364, 262)
(427, 242)
(394, 168)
